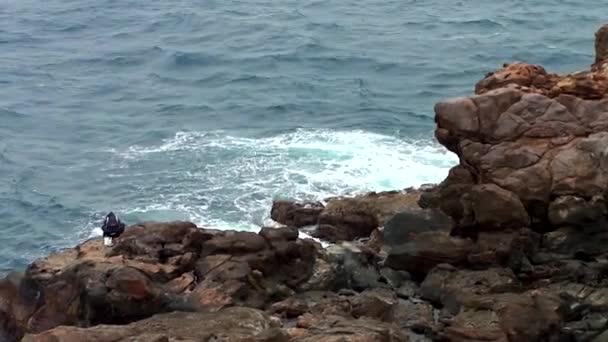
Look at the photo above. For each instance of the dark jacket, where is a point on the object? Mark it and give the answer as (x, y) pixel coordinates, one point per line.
(112, 227)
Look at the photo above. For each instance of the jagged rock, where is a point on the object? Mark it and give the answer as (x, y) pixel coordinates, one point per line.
(155, 268)
(521, 154)
(232, 324)
(531, 76)
(247, 269)
(533, 144)
(296, 214)
(427, 250)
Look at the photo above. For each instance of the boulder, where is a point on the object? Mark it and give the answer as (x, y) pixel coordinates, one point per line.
(427, 250)
(296, 214)
(346, 220)
(350, 218)
(404, 226)
(535, 160)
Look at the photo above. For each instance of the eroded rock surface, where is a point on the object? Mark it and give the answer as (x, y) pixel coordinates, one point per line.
(528, 157)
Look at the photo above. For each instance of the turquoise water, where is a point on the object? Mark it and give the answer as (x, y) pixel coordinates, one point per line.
(207, 110)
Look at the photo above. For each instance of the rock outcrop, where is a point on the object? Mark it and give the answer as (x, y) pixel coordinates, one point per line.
(510, 247)
(532, 149)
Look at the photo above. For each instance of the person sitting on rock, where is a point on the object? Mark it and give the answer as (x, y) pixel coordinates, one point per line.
(112, 228)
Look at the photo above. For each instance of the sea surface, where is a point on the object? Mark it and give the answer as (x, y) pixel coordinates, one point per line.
(207, 110)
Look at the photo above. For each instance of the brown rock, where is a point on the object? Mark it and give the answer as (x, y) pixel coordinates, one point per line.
(601, 49)
(456, 288)
(491, 207)
(337, 329)
(296, 214)
(346, 220)
(404, 226)
(155, 268)
(539, 136)
(233, 324)
(427, 250)
(521, 74)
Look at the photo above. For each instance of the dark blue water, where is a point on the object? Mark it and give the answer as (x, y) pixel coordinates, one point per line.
(206, 110)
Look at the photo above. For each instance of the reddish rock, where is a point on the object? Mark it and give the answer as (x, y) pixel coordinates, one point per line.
(536, 140)
(296, 214)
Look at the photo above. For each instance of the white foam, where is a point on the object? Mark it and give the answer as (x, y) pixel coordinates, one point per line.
(243, 175)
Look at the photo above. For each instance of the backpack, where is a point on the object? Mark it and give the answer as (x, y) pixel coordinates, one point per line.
(112, 220)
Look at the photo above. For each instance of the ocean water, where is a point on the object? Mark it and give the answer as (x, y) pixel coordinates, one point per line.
(207, 110)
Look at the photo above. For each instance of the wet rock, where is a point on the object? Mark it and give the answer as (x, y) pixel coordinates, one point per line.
(296, 214)
(279, 234)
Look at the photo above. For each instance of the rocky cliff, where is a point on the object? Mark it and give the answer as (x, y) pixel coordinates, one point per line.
(511, 247)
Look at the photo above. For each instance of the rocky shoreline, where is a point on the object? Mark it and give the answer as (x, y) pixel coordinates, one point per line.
(510, 247)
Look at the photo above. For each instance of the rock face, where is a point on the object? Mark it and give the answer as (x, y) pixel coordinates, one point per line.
(527, 157)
